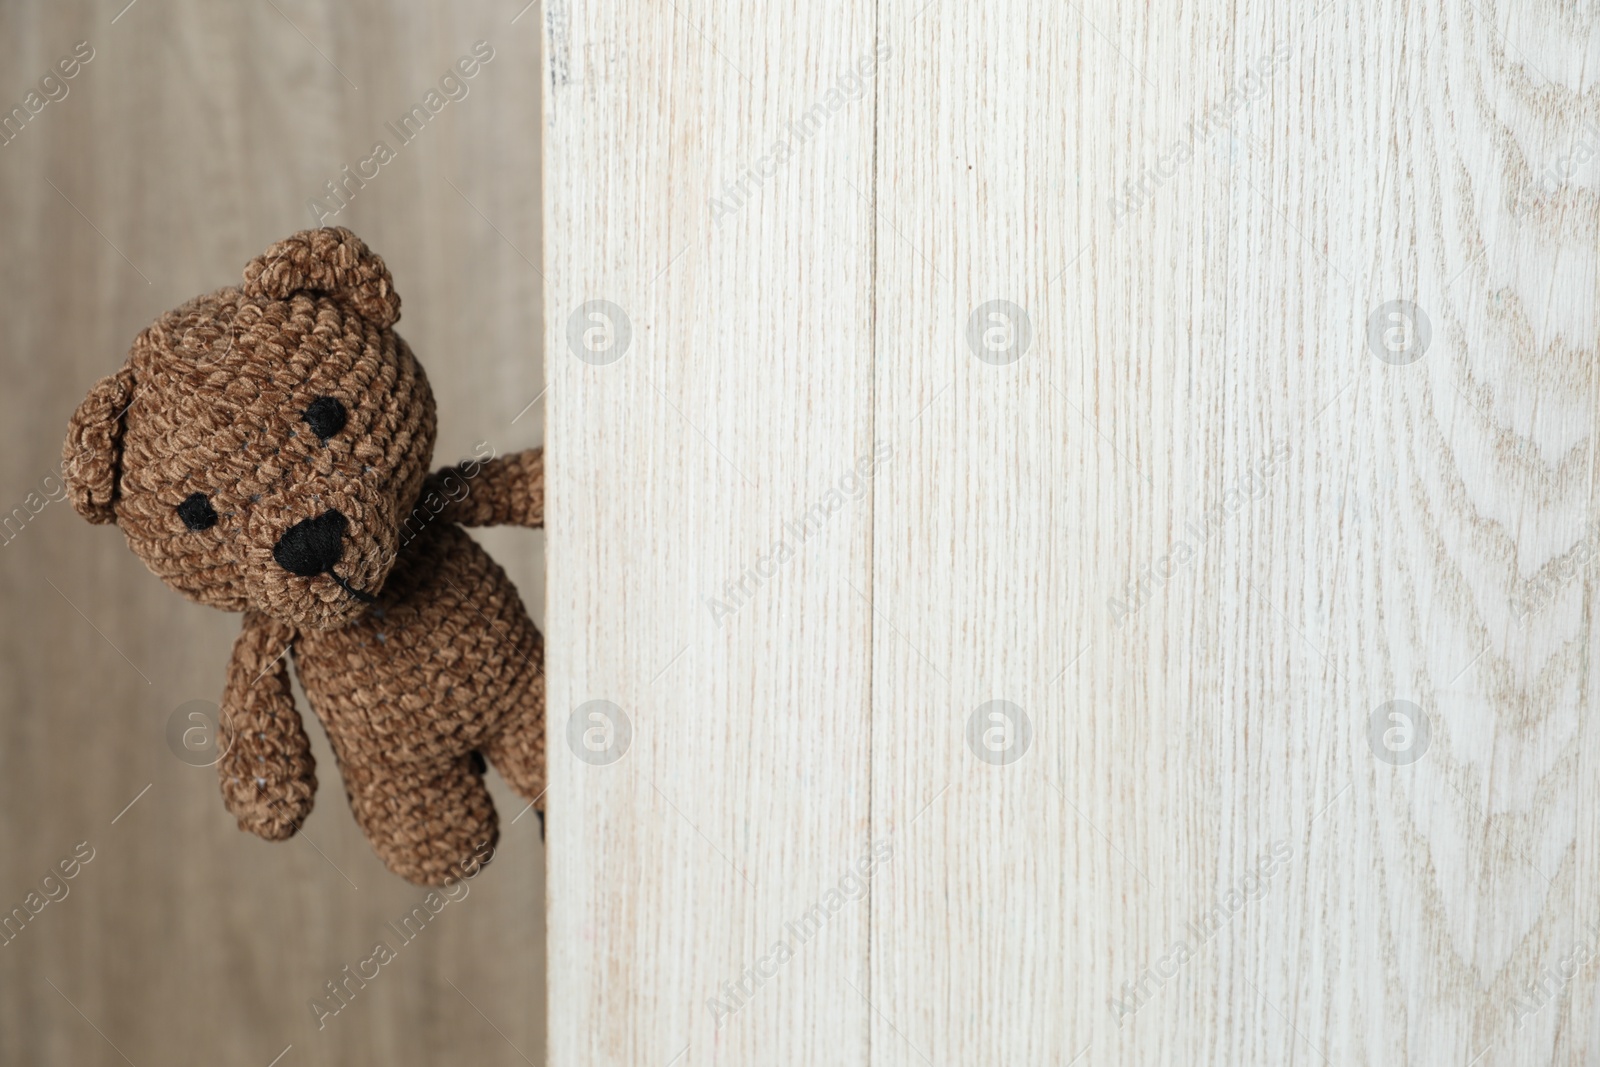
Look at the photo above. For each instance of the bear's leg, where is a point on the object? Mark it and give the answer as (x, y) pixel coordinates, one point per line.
(430, 823)
(517, 751)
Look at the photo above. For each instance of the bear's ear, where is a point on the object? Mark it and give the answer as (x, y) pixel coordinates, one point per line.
(91, 459)
(330, 260)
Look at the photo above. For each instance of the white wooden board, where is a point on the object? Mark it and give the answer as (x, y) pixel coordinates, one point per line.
(1232, 373)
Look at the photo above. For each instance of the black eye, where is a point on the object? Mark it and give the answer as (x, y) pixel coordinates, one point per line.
(325, 416)
(197, 513)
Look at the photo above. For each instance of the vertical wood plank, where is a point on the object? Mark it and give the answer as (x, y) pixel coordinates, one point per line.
(1457, 581)
(710, 405)
(1215, 521)
(1015, 373)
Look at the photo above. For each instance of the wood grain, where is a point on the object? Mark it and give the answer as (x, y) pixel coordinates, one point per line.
(1211, 524)
(192, 139)
(986, 920)
(1203, 858)
(675, 470)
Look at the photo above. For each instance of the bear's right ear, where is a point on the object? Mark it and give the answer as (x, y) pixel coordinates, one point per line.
(330, 260)
(91, 459)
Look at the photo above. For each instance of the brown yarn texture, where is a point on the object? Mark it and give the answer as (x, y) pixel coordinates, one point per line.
(413, 647)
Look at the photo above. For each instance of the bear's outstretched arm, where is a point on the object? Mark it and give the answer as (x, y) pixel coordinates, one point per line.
(505, 491)
(268, 775)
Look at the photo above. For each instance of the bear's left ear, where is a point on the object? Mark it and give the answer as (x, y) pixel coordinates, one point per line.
(91, 459)
(330, 260)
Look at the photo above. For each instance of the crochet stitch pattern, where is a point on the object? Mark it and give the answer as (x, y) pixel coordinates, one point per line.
(266, 449)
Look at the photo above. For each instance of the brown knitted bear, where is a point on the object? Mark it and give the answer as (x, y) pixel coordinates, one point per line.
(265, 449)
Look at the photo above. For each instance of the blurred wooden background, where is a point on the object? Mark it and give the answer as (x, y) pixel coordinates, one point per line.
(193, 138)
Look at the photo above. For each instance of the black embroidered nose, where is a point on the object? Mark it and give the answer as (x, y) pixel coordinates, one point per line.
(325, 416)
(312, 546)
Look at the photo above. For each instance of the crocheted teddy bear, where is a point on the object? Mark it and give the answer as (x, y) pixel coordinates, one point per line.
(265, 449)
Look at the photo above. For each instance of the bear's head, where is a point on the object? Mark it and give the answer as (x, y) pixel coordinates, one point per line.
(263, 444)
